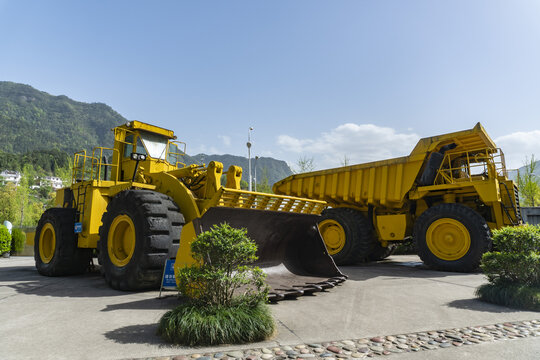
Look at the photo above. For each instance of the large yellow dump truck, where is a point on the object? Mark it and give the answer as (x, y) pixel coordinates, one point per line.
(447, 194)
(137, 205)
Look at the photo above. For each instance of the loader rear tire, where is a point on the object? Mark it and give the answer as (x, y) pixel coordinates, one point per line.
(55, 244)
(451, 237)
(140, 231)
(347, 234)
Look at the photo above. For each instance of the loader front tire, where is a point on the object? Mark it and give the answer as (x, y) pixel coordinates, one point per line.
(140, 231)
(451, 237)
(55, 244)
(347, 234)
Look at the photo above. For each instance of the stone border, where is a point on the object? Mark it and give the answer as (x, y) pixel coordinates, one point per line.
(379, 345)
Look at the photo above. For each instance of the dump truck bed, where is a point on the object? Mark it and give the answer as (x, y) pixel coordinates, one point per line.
(384, 183)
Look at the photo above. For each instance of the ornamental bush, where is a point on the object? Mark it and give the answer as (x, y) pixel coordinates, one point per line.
(517, 256)
(225, 296)
(5, 239)
(222, 275)
(18, 238)
(513, 269)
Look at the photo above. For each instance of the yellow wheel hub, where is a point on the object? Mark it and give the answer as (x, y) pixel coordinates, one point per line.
(47, 243)
(448, 239)
(333, 235)
(121, 240)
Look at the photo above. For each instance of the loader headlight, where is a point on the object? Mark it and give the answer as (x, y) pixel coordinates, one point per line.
(138, 157)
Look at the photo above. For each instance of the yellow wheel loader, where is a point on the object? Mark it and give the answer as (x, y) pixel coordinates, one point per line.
(137, 205)
(447, 195)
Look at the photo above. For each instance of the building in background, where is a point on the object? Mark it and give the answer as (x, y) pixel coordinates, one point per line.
(10, 176)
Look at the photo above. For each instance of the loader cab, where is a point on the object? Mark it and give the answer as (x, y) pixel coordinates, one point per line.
(154, 148)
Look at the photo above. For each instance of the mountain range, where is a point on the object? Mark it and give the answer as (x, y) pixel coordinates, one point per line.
(33, 121)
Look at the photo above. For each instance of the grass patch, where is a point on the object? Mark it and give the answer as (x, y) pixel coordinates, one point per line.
(191, 324)
(515, 296)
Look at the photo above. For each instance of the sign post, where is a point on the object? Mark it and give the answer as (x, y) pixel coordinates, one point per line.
(168, 282)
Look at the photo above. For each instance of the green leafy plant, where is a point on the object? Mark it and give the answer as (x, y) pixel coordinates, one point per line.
(5, 239)
(222, 275)
(18, 238)
(513, 270)
(191, 325)
(225, 296)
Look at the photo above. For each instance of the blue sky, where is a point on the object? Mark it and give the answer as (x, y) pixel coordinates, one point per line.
(322, 79)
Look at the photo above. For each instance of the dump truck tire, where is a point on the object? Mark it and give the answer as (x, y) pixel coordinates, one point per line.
(55, 244)
(140, 230)
(380, 252)
(451, 237)
(347, 234)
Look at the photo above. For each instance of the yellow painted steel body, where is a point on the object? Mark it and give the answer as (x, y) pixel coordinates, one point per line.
(134, 163)
(390, 194)
(448, 239)
(47, 243)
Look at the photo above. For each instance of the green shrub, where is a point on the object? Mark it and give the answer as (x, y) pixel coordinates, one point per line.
(214, 324)
(517, 259)
(517, 239)
(18, 239)
(222, 255)
(226, 298)
(513, 270)
(5, 239)
(517, 296)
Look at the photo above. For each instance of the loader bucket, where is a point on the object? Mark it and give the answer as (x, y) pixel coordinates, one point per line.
(291, 250)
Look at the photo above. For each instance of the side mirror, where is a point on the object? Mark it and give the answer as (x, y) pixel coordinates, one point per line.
(138, 157)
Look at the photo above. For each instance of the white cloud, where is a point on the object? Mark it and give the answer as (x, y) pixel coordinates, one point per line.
(518, 146)
(359, 142)
(226, 139)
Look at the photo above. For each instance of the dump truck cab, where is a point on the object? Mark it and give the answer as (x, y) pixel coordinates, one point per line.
(468, 168)
(447, 194)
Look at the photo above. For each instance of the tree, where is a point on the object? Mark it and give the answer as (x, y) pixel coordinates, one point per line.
(345, 161)
(528, 184)
(264, 186)
(305, 164)
(8, 204)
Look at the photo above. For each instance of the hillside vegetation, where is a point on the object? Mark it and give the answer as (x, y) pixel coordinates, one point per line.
(44, 131)
(34, 120)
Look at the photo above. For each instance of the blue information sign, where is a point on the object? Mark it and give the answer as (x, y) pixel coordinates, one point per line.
(78, 227)
(168, 275)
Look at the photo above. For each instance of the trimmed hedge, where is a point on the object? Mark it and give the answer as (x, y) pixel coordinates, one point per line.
(5, 240)
(516, 296)
(513, 270)
(18, 239)
(517, 256)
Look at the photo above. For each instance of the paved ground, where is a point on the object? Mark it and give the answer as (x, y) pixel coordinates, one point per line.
(81, 318)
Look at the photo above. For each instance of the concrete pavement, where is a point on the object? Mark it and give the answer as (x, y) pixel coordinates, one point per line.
(80, 317)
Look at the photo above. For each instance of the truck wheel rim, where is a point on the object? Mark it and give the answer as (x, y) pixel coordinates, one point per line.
(333, 235)
(121, 240)
(47, 243)
(448, 239)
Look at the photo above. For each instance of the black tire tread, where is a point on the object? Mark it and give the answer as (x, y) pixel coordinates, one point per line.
(358, 232)
(158, 223)
(68, 258)
(473, 221)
